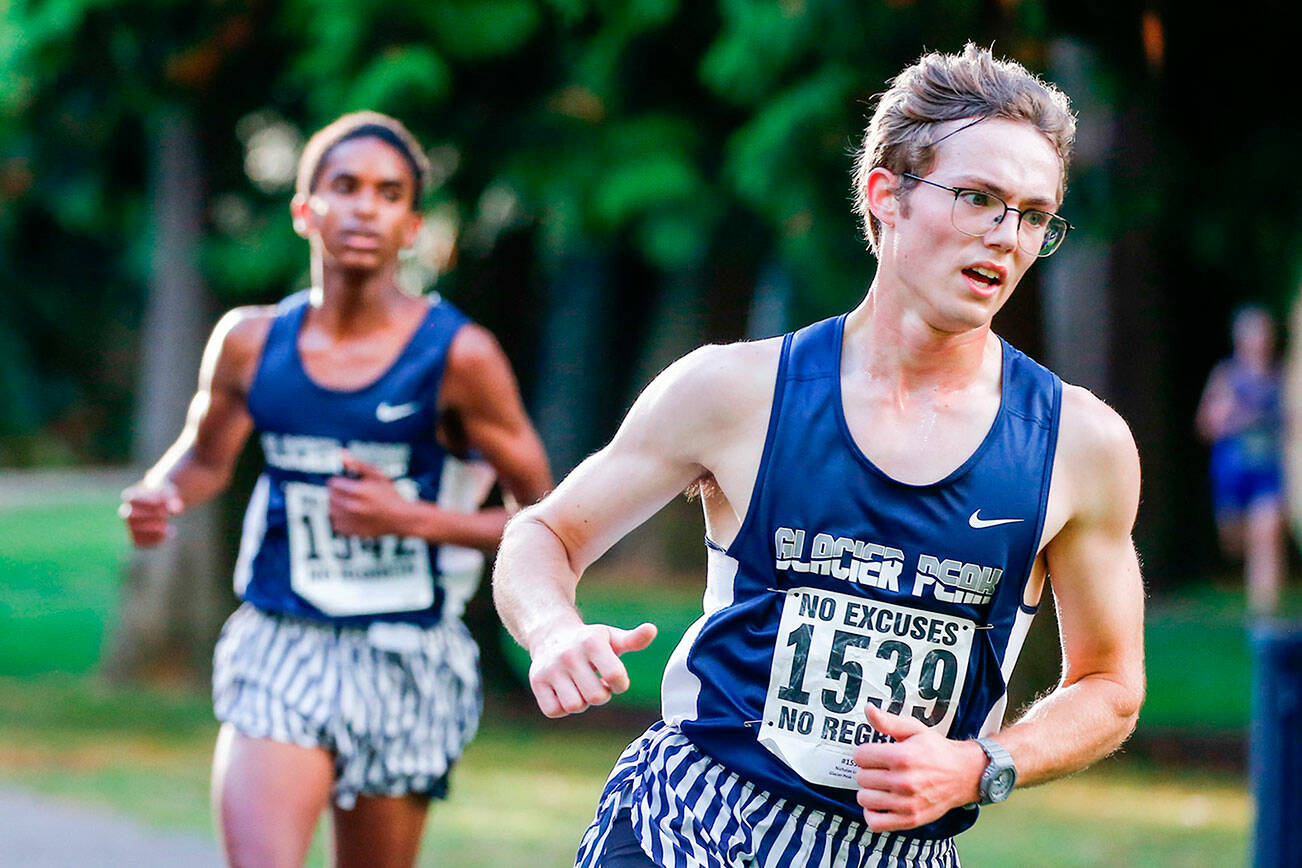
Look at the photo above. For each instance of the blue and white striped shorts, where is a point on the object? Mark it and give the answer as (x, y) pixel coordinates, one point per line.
(395, 704)
(688, 811)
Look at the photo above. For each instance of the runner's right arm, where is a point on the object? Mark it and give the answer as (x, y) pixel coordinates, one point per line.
(661, 447)
(199, 464)
(1215, 414)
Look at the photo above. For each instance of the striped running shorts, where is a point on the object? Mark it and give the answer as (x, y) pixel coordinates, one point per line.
(394, 703)
(688, 811)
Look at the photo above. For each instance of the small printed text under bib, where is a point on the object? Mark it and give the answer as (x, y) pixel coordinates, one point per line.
(837, 652)
(350, 575)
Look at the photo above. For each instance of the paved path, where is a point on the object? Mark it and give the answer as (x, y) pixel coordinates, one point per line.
(39, 832)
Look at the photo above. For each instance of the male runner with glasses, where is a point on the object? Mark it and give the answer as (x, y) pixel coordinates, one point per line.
(886, 494)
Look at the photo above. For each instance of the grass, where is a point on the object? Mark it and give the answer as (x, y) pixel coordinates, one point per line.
(524, 793)
(59, 567)
(146, 755)
(1114, 815)
(1205, 627)
(521, 795)
(525, 790)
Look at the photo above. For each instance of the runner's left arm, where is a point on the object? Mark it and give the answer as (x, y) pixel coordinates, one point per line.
(1099, 597)
(479, 387)
(1098, 592)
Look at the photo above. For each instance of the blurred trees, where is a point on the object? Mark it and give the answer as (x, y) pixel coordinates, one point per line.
(678, 143)
(619, 181)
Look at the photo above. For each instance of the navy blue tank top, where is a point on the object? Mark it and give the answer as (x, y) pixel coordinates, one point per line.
(291, 561)
(845, 586)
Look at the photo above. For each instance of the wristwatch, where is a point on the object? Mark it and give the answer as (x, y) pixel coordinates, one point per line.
(1000, 774)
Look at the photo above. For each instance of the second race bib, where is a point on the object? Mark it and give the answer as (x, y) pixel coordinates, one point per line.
(349, 575)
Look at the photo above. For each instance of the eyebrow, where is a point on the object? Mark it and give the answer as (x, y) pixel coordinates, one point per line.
(383, 182)
(1036, 203)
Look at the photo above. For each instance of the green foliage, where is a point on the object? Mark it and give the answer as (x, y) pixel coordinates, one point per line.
(399, 77)
(240, 262)
(331, 34)
(477, 31)
(628, 126)
(758, 44)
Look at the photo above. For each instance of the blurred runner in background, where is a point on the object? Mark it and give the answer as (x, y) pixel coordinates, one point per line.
(383, 419)
(1241, 416)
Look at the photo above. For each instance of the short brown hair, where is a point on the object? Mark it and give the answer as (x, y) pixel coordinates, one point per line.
(358, 125)
(902, 135)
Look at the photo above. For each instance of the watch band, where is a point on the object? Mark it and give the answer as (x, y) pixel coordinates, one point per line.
(1000, 773)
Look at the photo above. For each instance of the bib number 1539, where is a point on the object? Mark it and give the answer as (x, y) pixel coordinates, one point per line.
(936, 677)
(835, 653)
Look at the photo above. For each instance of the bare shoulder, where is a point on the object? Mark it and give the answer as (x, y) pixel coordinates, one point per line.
(1098, 457)
(237, 341)
(700, 406)
(478, 375)
(244, 329)
(725, 375)
(474, 348)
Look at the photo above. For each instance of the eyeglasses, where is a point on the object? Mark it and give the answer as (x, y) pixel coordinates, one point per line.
(976, 212)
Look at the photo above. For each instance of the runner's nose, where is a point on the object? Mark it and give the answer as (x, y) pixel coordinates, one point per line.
(1003, 234)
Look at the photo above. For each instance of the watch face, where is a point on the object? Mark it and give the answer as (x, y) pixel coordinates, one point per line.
(1001, 785)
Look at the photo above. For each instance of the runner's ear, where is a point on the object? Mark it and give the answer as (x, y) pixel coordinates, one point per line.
(880, 194)
(412, 229)
(300, 212)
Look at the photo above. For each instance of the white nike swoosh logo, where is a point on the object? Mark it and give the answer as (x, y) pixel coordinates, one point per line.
(976, 521)
(387, 412)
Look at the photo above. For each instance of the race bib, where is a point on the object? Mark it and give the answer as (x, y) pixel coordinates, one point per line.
(350, 575)
(834, 654)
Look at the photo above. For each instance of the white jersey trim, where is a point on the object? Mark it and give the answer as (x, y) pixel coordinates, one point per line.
(463, 487)
(680, 689)
(252, 533)
(1016, 638)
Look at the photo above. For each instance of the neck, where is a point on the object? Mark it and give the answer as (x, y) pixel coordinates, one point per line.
(895, 344)
(350, 300)
(1255, 362)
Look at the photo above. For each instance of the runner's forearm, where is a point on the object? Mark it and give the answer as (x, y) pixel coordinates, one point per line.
(195, 481)
(1071, 727)
(477, 530)
(533, 581)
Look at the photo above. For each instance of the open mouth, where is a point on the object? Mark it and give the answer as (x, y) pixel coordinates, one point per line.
(985, 277)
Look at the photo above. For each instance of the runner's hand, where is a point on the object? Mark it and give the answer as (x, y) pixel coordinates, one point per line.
(918, 777)
(364, 501)
(148, 510)
(581, 667)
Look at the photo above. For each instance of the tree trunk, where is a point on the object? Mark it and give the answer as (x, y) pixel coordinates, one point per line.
(669, 543)
(573, 366)
(1074, 281)
(171, 604)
